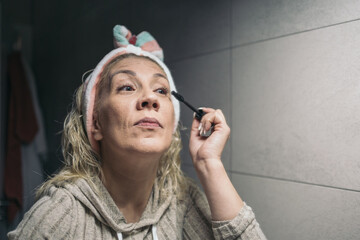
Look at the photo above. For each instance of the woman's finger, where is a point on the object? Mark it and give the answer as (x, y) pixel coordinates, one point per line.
(213, 118)
(209, 147)
(196, 122)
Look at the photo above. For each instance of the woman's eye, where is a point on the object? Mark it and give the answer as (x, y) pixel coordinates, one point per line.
(125, 88)
(163, 91)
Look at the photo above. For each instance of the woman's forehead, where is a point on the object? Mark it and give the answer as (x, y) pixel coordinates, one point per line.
(136, 63)
(134, 67)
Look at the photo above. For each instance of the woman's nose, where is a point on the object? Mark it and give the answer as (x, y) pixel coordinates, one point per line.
(149, 100)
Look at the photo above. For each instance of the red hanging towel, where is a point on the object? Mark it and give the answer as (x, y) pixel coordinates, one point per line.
(22, 129)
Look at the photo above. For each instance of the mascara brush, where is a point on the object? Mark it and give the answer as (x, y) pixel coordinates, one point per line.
(199, 113)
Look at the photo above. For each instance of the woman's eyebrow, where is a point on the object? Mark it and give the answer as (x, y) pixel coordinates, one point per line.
(160, 75)
(132, 73)
(129, 72)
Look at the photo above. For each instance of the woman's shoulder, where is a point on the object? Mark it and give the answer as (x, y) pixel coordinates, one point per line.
(52, 216)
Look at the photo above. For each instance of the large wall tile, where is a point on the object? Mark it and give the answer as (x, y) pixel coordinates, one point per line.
(184, 28)
(296, 111)
(258, 20)
(204, 82)
(287, 210)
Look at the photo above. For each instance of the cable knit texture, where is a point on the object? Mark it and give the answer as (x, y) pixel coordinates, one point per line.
(75, 211)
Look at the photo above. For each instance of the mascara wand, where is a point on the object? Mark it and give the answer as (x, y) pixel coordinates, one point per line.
(198, 112)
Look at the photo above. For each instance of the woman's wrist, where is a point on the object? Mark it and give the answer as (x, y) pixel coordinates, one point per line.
(207, 167)
(210, 173)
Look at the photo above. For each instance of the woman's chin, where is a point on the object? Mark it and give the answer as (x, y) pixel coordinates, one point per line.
(149, 145)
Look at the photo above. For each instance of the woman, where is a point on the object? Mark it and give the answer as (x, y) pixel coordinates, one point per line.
(122, 177)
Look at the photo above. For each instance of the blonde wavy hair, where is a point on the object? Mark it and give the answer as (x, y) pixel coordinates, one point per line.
(82, 162)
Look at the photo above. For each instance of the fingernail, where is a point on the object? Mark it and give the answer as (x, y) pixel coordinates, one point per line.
(200, 125)
(203, 132)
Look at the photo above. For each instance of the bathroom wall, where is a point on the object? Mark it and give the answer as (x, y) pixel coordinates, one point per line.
(285, 73)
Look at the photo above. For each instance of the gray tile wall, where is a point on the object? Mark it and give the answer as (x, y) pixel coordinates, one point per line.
(297, 211)
(294, 111)
(297, 107)
(285, 73)
(259, 20)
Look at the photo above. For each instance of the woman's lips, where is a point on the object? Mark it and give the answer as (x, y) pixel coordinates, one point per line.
(148, 122)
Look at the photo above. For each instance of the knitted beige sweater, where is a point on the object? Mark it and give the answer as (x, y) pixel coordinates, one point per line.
(75, 211)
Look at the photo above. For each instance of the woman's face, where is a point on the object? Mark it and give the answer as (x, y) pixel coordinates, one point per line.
(136, 115)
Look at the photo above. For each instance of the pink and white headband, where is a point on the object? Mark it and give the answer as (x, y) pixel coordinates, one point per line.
(142, 45)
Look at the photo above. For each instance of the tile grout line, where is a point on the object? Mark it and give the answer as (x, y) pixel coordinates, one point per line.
(294, 33)
(287, 180)
(256, 42)
(295, 181)
(198, 55)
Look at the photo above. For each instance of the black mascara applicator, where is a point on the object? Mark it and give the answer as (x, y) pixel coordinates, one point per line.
(198, 112)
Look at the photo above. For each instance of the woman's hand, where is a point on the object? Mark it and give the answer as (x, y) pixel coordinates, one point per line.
(224, 201)
(204, 149)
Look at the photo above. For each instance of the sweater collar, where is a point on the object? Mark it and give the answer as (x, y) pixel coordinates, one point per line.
(101, 204)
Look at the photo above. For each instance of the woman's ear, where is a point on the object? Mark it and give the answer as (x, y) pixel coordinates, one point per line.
(96, 129)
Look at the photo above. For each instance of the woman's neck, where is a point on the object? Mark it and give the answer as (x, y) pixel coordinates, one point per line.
(129, 182)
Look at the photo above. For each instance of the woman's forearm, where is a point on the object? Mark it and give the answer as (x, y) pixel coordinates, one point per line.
(225, 203)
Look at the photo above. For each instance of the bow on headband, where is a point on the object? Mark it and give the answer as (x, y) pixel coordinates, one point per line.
(144, 40)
